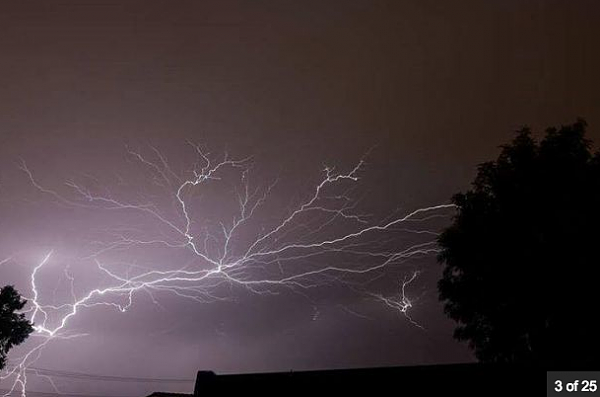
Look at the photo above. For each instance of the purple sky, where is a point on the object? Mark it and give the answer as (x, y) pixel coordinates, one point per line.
(432, 88)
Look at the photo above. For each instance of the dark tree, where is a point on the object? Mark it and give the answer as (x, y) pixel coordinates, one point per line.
(521, 259)
(14, 327)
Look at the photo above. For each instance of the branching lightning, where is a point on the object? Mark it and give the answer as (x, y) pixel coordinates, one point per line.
(401, 303)
(295, 252)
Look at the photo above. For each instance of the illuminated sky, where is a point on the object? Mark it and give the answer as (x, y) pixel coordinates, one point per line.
(428, 89)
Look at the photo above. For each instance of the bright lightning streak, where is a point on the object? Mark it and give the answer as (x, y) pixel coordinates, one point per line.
(401, 303)
(298, 247)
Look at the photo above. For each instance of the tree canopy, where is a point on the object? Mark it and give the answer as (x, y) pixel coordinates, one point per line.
(520, 258)
(14, 326)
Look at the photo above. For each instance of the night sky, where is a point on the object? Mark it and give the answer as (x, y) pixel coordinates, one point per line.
(93, 94)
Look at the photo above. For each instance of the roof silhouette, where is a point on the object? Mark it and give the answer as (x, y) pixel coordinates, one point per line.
(450, 379)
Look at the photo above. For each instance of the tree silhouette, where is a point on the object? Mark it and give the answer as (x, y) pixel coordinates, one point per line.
(14, 327)
(521, 256)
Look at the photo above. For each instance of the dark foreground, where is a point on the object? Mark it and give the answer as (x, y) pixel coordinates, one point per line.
(437, 380)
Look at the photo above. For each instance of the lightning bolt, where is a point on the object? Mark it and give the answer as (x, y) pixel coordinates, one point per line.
(293, 252)
(401, 303)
